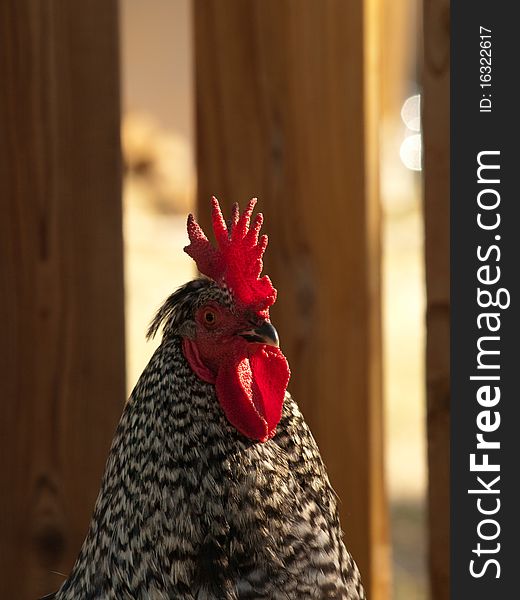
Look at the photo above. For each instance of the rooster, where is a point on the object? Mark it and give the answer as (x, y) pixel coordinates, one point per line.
(214, 488)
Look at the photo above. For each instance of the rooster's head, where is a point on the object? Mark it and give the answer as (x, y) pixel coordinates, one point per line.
(223, 319)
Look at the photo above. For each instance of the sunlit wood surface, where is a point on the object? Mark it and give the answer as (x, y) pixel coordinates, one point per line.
(62, 382)
(287, 98)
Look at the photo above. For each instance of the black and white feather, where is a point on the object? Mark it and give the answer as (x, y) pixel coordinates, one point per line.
(190, 509)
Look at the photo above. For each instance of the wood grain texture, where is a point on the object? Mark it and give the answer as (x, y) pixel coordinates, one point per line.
(287, 109)
(61, 280)
(436, 136)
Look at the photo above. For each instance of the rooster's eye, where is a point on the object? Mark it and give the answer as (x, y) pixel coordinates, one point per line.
(210, 317)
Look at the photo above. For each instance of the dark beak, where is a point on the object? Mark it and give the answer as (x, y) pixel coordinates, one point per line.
(265, 334)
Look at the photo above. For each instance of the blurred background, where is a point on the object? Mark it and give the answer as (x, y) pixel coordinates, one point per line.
(163, 134)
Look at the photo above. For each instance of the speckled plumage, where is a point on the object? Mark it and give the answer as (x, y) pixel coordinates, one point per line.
(189, 508)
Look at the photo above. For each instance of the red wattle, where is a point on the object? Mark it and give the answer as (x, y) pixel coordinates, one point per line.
(251, 389)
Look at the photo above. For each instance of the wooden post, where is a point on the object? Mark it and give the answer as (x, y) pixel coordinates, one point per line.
(436, 136)
(61, 280)
(287, 111)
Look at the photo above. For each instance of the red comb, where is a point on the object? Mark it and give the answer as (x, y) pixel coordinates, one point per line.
(237, 261)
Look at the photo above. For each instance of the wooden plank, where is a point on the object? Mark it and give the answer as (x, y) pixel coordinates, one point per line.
(61, 280)
(400, 37)
(287, 111)
(436, 139)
